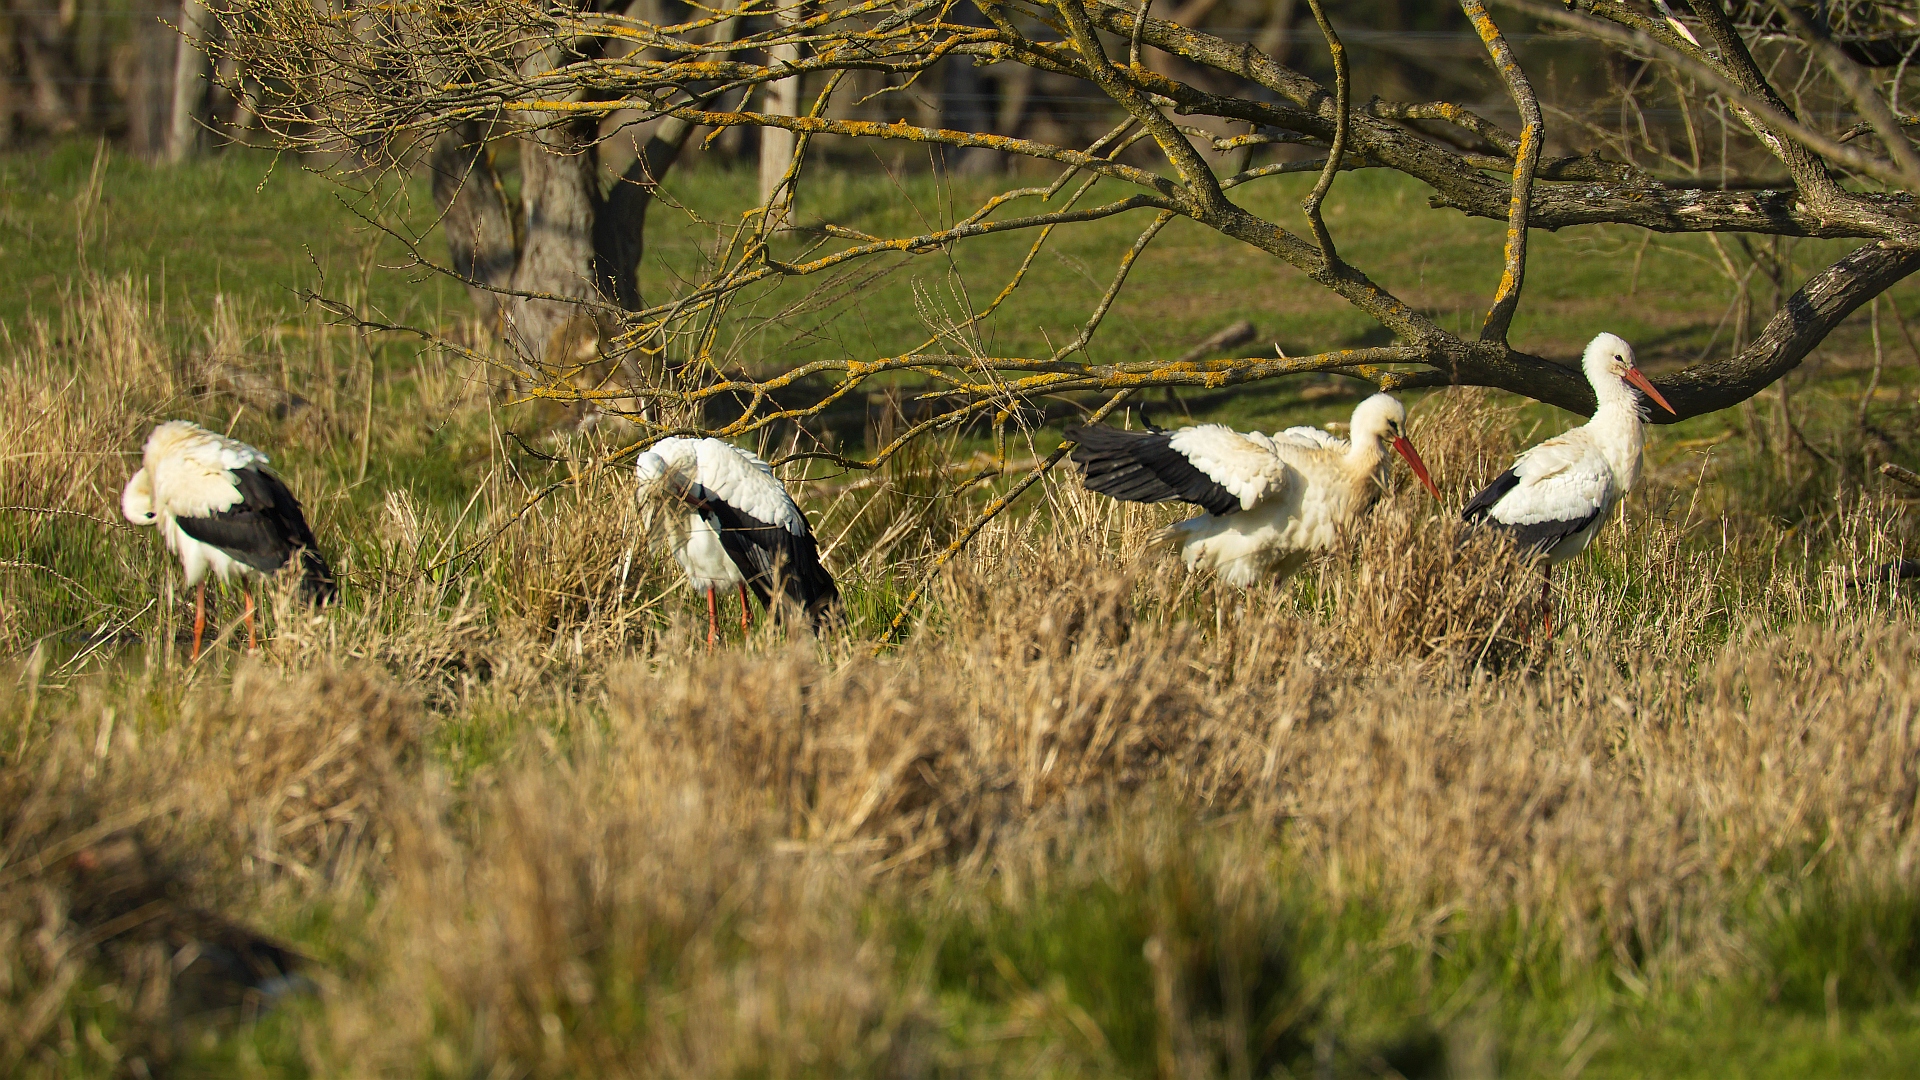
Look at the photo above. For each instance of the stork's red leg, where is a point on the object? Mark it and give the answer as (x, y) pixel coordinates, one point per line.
(746, 613)
(248, 593)
(713, 619)
(199, 618)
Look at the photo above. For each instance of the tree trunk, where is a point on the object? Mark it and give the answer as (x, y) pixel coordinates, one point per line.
(559, 198)
(619, 235)
(46, 65)
(9, 77)
(967, 103)
(1800, 324)
(189, 80)
(149, 80)
(474, 214)
(783, 99)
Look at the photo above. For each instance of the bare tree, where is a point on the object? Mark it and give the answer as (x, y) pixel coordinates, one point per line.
(556, 271)
(511, 67)
(447, 75)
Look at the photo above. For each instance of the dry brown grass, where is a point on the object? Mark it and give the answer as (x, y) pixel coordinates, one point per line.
(147, 813)
(530, 827)
(675, 885)
(74, 402)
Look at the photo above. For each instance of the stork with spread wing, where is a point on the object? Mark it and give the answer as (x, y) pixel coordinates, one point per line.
(1269, 502)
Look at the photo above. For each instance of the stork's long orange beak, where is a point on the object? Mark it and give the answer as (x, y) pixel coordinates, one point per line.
(1645, 384)
(1406, 450)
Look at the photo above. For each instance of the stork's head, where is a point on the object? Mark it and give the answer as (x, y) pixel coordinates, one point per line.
(650, 472)
(1609, 361)
(649, 467)
(136, 502)
(1382, 420)
(662, 480)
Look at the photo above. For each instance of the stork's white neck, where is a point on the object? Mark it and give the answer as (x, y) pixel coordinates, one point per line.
(1365, 451)
(1618, 428)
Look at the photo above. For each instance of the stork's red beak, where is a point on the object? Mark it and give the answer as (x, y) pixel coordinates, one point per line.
(1646, 387)
(1406, 450)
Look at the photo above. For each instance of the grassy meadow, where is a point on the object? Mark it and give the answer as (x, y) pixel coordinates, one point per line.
(1092, 818)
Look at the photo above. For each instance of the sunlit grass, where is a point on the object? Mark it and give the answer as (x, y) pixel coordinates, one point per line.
(1093, 818)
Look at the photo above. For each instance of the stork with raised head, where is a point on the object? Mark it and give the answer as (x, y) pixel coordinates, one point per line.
(731, 525)
(221, 508)
(1559, 493)
(1270, 502)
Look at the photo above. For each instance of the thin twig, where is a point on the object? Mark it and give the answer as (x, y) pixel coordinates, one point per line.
(992, 511)
(1526, 158)
(1139, 24)
(1342, 97)
(1896, 472)
(54, 511)
(17, 564)
(1879, 361)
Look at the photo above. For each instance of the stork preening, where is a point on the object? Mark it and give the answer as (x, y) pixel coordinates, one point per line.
(220, 508)
(1270, 502)
(731, 525)
(1559, 493)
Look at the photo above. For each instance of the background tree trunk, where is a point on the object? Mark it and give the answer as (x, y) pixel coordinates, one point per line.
(619, 236)
(474, 214)
(559, 195)
(9, 78)
(149, 79)
(966, 102)
(189, 80)
(783, 99)
(573, 243)
(54, 96)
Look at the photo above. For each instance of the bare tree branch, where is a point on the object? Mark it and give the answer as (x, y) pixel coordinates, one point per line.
(1526, 158)
(401, 80)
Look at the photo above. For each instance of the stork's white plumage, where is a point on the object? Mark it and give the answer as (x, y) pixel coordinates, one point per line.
(1270, 501)
(732, 525)
(221, 508)
(1559, 493)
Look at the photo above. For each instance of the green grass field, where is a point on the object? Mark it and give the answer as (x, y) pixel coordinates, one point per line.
(1093, 819)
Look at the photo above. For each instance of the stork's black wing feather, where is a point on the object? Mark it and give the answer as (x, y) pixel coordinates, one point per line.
(1535, 536)
(1144, 467)
(768, 556)
(264, 529)
(1478, 506)
(1540, 537)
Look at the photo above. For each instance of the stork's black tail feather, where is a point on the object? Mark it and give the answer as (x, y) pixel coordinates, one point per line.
(265, 530)
(771, 556)
(1534, 538)
(1891, 573)
(317, 584)
(808, 583)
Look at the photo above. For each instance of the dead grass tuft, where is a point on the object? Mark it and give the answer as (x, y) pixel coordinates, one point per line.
(1424, 585)
(76, 400)
(319, 757)
(136, 823)
(610, 916)
(532, 827)
(1466, 436)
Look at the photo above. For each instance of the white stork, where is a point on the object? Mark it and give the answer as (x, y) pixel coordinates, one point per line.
(220, 508)
(1558, 494)
(1270, 501)
(732, 525)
